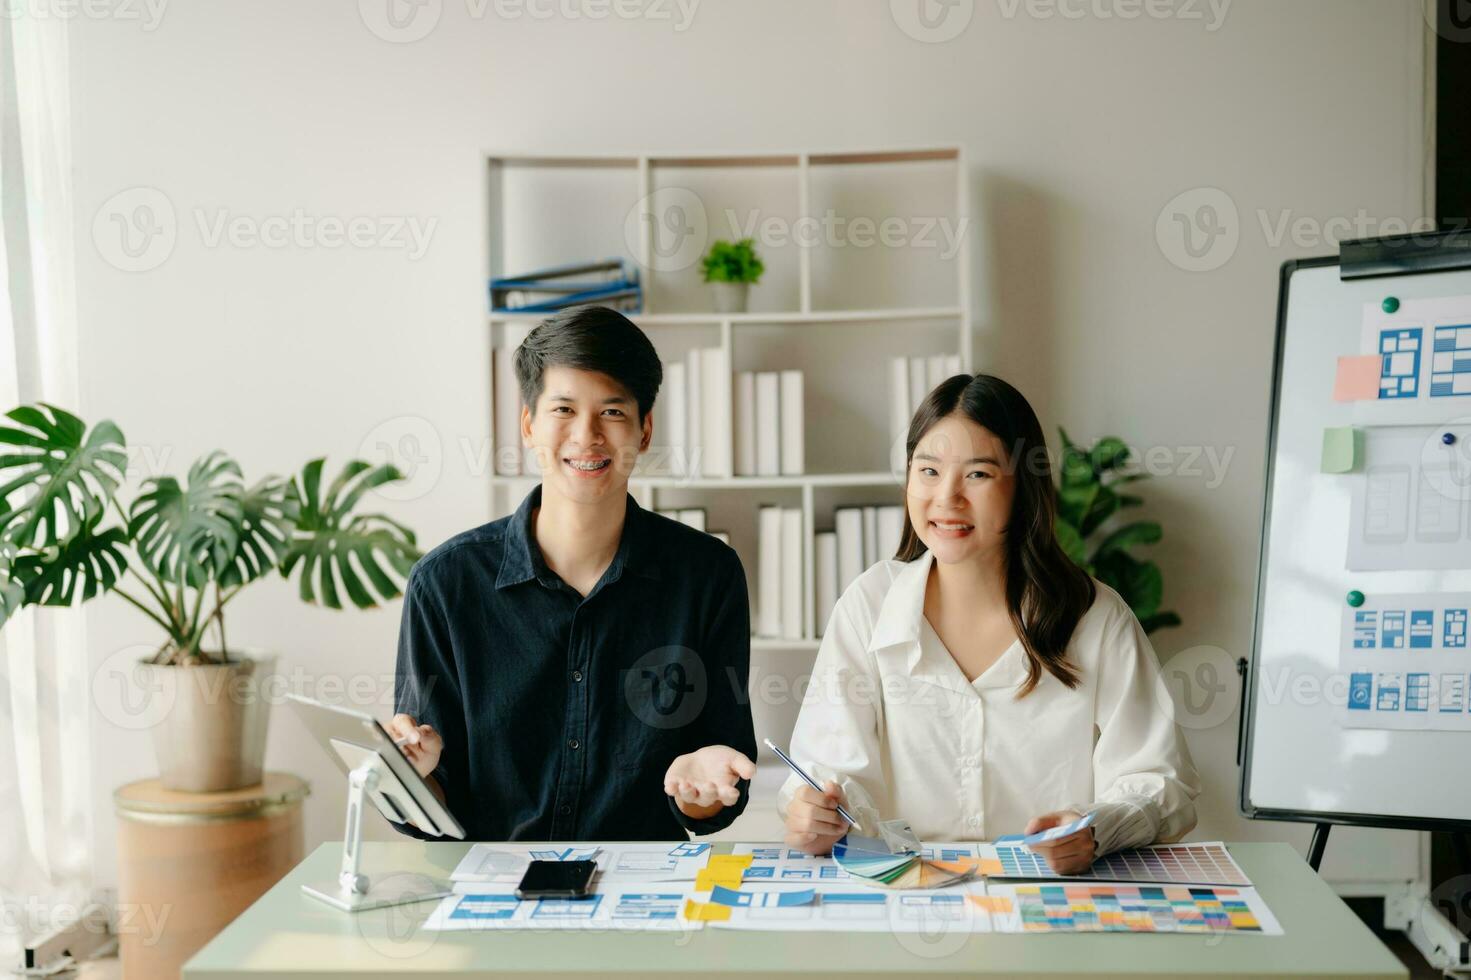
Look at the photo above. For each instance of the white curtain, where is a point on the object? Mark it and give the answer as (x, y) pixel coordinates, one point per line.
(46, 809)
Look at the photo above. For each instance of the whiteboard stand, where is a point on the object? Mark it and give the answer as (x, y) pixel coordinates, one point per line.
(1311, 768)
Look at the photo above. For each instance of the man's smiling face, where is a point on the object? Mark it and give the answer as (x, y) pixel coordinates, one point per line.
(586, 434)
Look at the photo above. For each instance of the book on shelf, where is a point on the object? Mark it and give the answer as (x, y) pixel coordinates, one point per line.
(768, 424)
(769, 417)
(691, 416)
(768, 571)
(792, 450)
(694, 405)
(825, 571)
(745, 423)
(675, 441)
(910, 380)
(792, 587)
(862, 537)
(780, 592)
(715, 412)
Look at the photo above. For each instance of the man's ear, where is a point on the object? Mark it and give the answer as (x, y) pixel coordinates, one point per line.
(647, 439)
(526, 426)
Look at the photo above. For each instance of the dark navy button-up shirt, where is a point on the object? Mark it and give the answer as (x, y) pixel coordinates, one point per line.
(560, 714)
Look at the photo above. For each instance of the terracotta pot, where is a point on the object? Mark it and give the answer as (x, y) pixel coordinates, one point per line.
(212, 737)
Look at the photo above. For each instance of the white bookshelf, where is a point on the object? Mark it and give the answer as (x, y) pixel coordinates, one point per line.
(548, 210)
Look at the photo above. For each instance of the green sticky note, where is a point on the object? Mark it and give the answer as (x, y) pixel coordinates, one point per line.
(1342, 448)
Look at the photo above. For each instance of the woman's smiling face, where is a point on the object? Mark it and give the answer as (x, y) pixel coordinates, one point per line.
(960, 490)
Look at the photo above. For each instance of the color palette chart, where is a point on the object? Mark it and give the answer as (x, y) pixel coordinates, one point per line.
(1088, 907)
(1196, 864)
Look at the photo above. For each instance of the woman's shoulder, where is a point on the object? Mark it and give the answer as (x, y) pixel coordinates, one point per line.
(865, 595)
(874, 583)
(1108, 614)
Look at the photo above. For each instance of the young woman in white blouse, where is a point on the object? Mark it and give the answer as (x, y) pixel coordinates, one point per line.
(980, 683)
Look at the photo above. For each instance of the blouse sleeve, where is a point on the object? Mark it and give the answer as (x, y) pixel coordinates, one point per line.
(837, 733)
(1143, 776)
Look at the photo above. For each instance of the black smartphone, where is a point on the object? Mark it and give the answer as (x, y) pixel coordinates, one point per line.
(557, 879)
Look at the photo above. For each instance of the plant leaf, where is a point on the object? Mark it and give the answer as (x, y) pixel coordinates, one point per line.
(88, 564)
(1073, 503)
(191, 533)
(268, 514)
(332, 545)
(1072, 542)
(1105, 503)
(1159, 621)
(1140, 583)
(1108, 453)
(73, 472)
(1126, 537)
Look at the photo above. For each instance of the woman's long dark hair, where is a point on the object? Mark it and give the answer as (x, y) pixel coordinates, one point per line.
(1046, 593)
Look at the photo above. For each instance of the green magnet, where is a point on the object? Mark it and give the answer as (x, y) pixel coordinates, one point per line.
(1356, 598)
(1390, 305)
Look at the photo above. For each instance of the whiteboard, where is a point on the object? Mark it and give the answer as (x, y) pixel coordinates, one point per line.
(1301, 761)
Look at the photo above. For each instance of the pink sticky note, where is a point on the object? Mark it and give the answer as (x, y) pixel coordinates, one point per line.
(1358, 378)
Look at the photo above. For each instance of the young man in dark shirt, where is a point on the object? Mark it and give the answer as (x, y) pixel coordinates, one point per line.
(577, 671)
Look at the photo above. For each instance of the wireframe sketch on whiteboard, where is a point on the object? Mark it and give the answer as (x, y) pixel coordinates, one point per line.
(1425, 362)
(1411, 504)
(1407, 662)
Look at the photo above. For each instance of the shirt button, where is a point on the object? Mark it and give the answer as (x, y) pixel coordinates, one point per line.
(974, 821)
(577, 675)
(572, 743)
(564, 809)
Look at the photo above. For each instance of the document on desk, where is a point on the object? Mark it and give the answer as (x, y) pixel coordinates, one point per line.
(851, 907)
(504, 863)
(777, 863)
(613, 907)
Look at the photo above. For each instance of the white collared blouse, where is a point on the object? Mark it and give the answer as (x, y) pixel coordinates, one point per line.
(890, 716)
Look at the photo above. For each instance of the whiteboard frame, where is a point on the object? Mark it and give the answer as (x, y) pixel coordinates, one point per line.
(1249, 686)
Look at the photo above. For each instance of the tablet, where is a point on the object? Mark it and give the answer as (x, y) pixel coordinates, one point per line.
(354, 739)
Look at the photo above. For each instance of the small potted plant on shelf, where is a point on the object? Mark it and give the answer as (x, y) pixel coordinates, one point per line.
(732, 268)
(180, 553)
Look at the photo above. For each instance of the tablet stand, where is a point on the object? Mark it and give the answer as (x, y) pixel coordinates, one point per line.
(353, 891)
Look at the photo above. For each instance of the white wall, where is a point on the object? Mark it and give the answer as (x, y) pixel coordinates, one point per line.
(1079, 131)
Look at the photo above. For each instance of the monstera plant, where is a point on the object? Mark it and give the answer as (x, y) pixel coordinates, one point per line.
(1090, 493)
(181, 552)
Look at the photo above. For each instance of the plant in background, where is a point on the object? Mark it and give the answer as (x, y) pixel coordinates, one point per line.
(189, 548)
(738, 262)
(1088, 496)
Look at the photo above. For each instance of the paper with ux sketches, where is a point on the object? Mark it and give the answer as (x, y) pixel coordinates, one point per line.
(634, 906)
(656, 861)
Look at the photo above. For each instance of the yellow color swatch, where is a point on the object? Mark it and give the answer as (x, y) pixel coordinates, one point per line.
(991, 903)
(730, 860)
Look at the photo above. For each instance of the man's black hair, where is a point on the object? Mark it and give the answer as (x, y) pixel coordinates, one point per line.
(590, 338)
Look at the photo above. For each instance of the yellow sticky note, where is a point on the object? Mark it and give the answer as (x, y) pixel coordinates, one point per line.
(730, 860)
(710, 877)
(705, 911)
